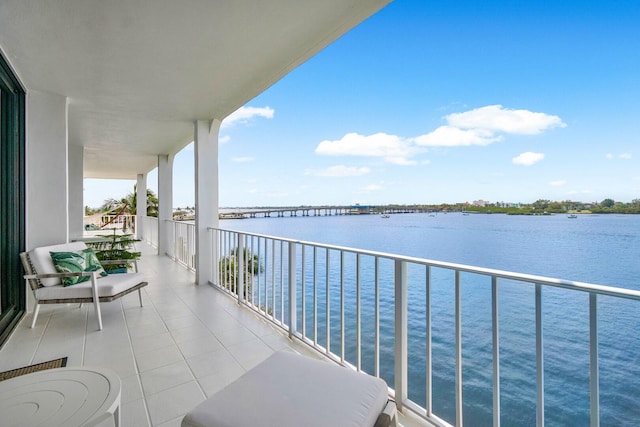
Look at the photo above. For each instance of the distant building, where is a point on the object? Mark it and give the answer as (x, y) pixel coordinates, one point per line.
(480, 203)
(359, 209)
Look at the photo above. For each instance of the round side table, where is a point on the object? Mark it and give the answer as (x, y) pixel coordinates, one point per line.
(72, 396)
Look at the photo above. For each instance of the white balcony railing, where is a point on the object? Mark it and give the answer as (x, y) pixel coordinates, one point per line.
(124, 222)
(150, 230)
(183, 249)
(360, 308)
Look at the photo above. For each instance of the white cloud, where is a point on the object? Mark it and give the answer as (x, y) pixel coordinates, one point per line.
(499, 119)
(558, 183)
(242, 159)
(244, 114)
(450, 136)
(373, 187)
(483, 126)
(478, 127)
(527, 159)
(623, 156)
(392, 148)
(224, 139)
(339, 171)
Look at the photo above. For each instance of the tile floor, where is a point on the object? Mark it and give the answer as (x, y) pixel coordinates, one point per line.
(186, 343)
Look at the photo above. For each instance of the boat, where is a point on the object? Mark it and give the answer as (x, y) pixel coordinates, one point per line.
(572, 216)
(385, 216)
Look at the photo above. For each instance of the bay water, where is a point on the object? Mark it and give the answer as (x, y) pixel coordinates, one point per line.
(598, 249)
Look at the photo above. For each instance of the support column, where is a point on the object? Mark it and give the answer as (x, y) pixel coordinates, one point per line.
(207, 193)
(47, 170)
(165, 203)
(141, 204)
(76, 191)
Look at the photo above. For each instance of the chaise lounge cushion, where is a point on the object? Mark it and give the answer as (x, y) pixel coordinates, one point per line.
(110, 285)
(43, 264)
(289, 390)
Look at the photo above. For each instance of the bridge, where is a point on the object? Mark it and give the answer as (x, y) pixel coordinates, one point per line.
(319, 211)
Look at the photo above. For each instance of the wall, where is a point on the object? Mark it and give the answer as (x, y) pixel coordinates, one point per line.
(46, 170)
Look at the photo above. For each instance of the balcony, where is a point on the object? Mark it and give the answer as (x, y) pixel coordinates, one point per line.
(189, 341)
(185, 344)
(402, 319)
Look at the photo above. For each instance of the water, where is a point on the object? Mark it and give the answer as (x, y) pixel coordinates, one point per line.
(596, 249)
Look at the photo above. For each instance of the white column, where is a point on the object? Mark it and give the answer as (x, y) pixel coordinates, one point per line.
(165, 203)
(141, 204)
(47, 169)
(76, 191)
(206, 187)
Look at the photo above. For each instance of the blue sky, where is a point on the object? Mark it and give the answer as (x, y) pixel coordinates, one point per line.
(430, 102)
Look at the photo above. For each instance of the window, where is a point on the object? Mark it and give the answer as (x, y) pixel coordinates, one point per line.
(12, 199)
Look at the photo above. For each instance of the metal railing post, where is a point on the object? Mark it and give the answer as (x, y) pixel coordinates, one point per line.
(428, 345)
(458, 326)
(292, 289)
(539, 359)
(376, 310)
(594, 381)
(240, 268)
(401, 345)
(495, 339)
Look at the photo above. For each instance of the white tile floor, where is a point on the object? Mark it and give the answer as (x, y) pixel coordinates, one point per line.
(185, 344)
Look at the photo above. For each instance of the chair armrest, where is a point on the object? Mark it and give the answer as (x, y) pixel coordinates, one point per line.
(388, 416)
(57, 275)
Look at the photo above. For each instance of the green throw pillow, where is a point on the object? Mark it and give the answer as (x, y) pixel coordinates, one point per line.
(76, 262)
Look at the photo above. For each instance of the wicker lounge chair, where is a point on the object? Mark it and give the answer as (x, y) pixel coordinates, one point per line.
(45, 281)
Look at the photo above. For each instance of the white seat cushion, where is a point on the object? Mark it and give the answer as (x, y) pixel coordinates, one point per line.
(110, 285)
(289, 390)
(43, 264)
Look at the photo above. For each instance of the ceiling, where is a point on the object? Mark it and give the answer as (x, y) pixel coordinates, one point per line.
(137, 73)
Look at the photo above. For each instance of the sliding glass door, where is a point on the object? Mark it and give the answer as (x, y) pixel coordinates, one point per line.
(12, 199)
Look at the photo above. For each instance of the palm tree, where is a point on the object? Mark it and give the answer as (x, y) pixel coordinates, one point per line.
(110, 205)
(229, 268)
(131, 200)
(128, 206)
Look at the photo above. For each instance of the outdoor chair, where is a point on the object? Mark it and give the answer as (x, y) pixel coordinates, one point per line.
(46, 282)
(290, 390)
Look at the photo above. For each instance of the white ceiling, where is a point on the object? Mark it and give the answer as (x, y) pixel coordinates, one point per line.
(139, 72)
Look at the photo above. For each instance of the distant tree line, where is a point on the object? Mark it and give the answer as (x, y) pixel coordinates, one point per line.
(539, 207)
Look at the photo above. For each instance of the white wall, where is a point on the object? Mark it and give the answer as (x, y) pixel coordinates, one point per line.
(141, 201)
(76, 191)
(165, 203)
(47, 170)
(207, 192)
